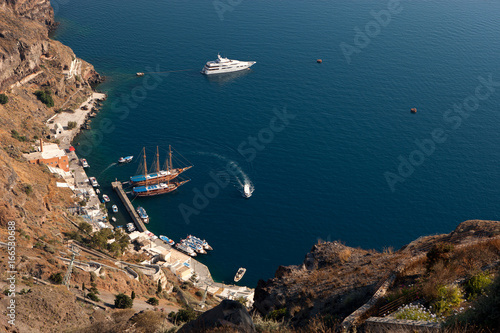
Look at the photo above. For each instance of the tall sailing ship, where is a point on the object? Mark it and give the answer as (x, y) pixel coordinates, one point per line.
(168, 173)
(154, 185)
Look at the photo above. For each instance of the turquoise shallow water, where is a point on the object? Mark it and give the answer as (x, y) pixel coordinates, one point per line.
(323, 175)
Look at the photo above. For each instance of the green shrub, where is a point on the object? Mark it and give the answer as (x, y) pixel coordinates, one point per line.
(28, 189)
(17, 136)
(277, 314)
(93, 297)
(153, 301)
(45, 96)
(71, 124)
(448, 298)
(484, 314)
(4, 99)
(57, 278)
(122, 301)
(183, 315)
(477, 285)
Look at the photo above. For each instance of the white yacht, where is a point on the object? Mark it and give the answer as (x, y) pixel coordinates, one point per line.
(225, 65)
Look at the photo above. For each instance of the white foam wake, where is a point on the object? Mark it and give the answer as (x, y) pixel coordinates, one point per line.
(244, 184)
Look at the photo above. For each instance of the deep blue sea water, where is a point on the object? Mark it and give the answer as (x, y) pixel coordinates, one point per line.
(322, 176)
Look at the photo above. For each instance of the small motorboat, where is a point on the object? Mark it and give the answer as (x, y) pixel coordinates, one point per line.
(113, 219)
(167, 240)
(105, 198)
(239, 274)
(247, 191)
(93, 181)
(114, 208)
(84, 162)
(126, 159)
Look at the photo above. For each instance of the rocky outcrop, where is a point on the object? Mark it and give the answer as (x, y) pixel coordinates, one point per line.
(25, 48)
(227, 315)
(36, 10)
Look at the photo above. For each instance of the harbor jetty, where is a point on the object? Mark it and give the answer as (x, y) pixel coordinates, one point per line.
(139, 225)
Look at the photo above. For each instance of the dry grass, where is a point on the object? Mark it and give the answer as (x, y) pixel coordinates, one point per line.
(344, 255)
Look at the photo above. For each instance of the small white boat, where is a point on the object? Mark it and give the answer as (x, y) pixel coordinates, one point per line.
(114, 208)
(125, 159)
(84, 163)
(239, 274)
(130, 227)
(167, 240)
(247, 191)
(142, 214)
(113, 219)
(105, 198)
(93, 181)
(224, 65)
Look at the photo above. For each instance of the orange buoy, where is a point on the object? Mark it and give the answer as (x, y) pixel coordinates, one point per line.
(319, 61)
(413, 110)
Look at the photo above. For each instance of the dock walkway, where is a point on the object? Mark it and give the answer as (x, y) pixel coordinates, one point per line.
(139, 225)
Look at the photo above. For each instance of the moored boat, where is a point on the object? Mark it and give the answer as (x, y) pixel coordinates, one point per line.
(196, 247)
(84, 162)
(160, 175)
(130, 227)
(185, 249)
(155, 186)
(167, 240)
(126, 159)
(105, 198)
(142, 214)
(202, 242)
(114, 208)
(93, 181)
(239, 274)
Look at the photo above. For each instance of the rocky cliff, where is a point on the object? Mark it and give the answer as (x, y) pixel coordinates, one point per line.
(40, 11)
(334, 280)
(25, 48)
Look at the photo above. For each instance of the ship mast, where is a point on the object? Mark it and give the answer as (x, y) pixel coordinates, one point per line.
(169, 167)
(157, 165)
(145, 166)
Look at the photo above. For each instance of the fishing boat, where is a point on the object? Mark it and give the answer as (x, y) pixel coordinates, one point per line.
(114, 208)
(156, 186)
(130, 227)
(163, 175)
(84, 162)
(105, 198)
(142, 214)
(167, 240)
(126, 159)
(239, 274)
(203, 242)
(93, 181)
(185, 249)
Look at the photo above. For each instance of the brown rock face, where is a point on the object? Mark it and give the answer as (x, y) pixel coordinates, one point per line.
(35, 10)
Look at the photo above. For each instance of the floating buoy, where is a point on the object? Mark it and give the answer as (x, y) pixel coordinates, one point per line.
(319, 61)
(413, 110)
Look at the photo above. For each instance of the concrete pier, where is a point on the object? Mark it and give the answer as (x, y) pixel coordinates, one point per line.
(139, 225)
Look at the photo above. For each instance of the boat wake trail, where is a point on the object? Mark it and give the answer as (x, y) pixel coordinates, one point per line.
(109, 166)
(242, 181)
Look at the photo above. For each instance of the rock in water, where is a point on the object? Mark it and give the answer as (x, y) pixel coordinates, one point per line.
(230, 314)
